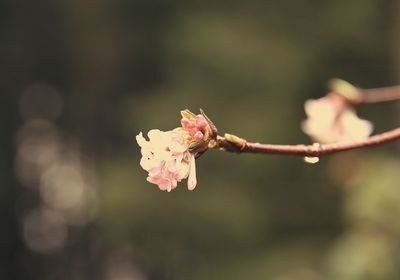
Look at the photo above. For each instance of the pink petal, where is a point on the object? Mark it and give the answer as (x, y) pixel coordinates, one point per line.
(198, 136)
(201, 123)
(186, 124)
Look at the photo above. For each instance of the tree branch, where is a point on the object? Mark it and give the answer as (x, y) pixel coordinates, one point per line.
(351, 94)
(356, 95)
(376, 95)
(231, 143)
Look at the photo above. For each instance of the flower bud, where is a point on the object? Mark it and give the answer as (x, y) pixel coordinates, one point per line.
(198, 129)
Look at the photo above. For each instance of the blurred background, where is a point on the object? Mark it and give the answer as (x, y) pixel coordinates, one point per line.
(79, 79)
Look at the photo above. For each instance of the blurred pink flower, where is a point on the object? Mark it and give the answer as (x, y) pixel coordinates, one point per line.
(331, 120)
(167, 159)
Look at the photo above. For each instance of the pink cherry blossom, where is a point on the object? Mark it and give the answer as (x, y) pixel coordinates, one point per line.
(331, 120)
(167, 159)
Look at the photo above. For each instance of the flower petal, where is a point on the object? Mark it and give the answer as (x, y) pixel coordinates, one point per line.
(329, 120)
(192, 181)
(356, 128)
(140, 140)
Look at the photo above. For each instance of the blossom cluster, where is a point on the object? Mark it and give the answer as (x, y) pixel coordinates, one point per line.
(331, 119)
(169, 156)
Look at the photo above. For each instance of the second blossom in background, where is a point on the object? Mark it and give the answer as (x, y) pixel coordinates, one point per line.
(331, 120)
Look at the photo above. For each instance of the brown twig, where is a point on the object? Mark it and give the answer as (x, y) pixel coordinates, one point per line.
(232, 143)
(351, 94)
(376, 95)
(356, 95)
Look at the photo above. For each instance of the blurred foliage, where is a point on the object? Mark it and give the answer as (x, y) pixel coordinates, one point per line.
(371, 242)
(81, 78)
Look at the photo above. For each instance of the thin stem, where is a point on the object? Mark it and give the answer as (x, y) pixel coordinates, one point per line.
(238, 145)
(376, 95)
(356, 95)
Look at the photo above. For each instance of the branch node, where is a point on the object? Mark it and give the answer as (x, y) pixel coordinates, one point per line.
(238, 142)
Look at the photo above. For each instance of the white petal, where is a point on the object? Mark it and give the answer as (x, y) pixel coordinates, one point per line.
(158, 138)
(320, 120)
(175, 146)
(140, 140)
(154, 133)
(356, 128)
(322, 110)
(320, 132)
(192, 181)
(147, 164)
(308, 107)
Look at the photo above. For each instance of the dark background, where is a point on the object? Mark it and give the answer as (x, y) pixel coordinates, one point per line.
(79, 79)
